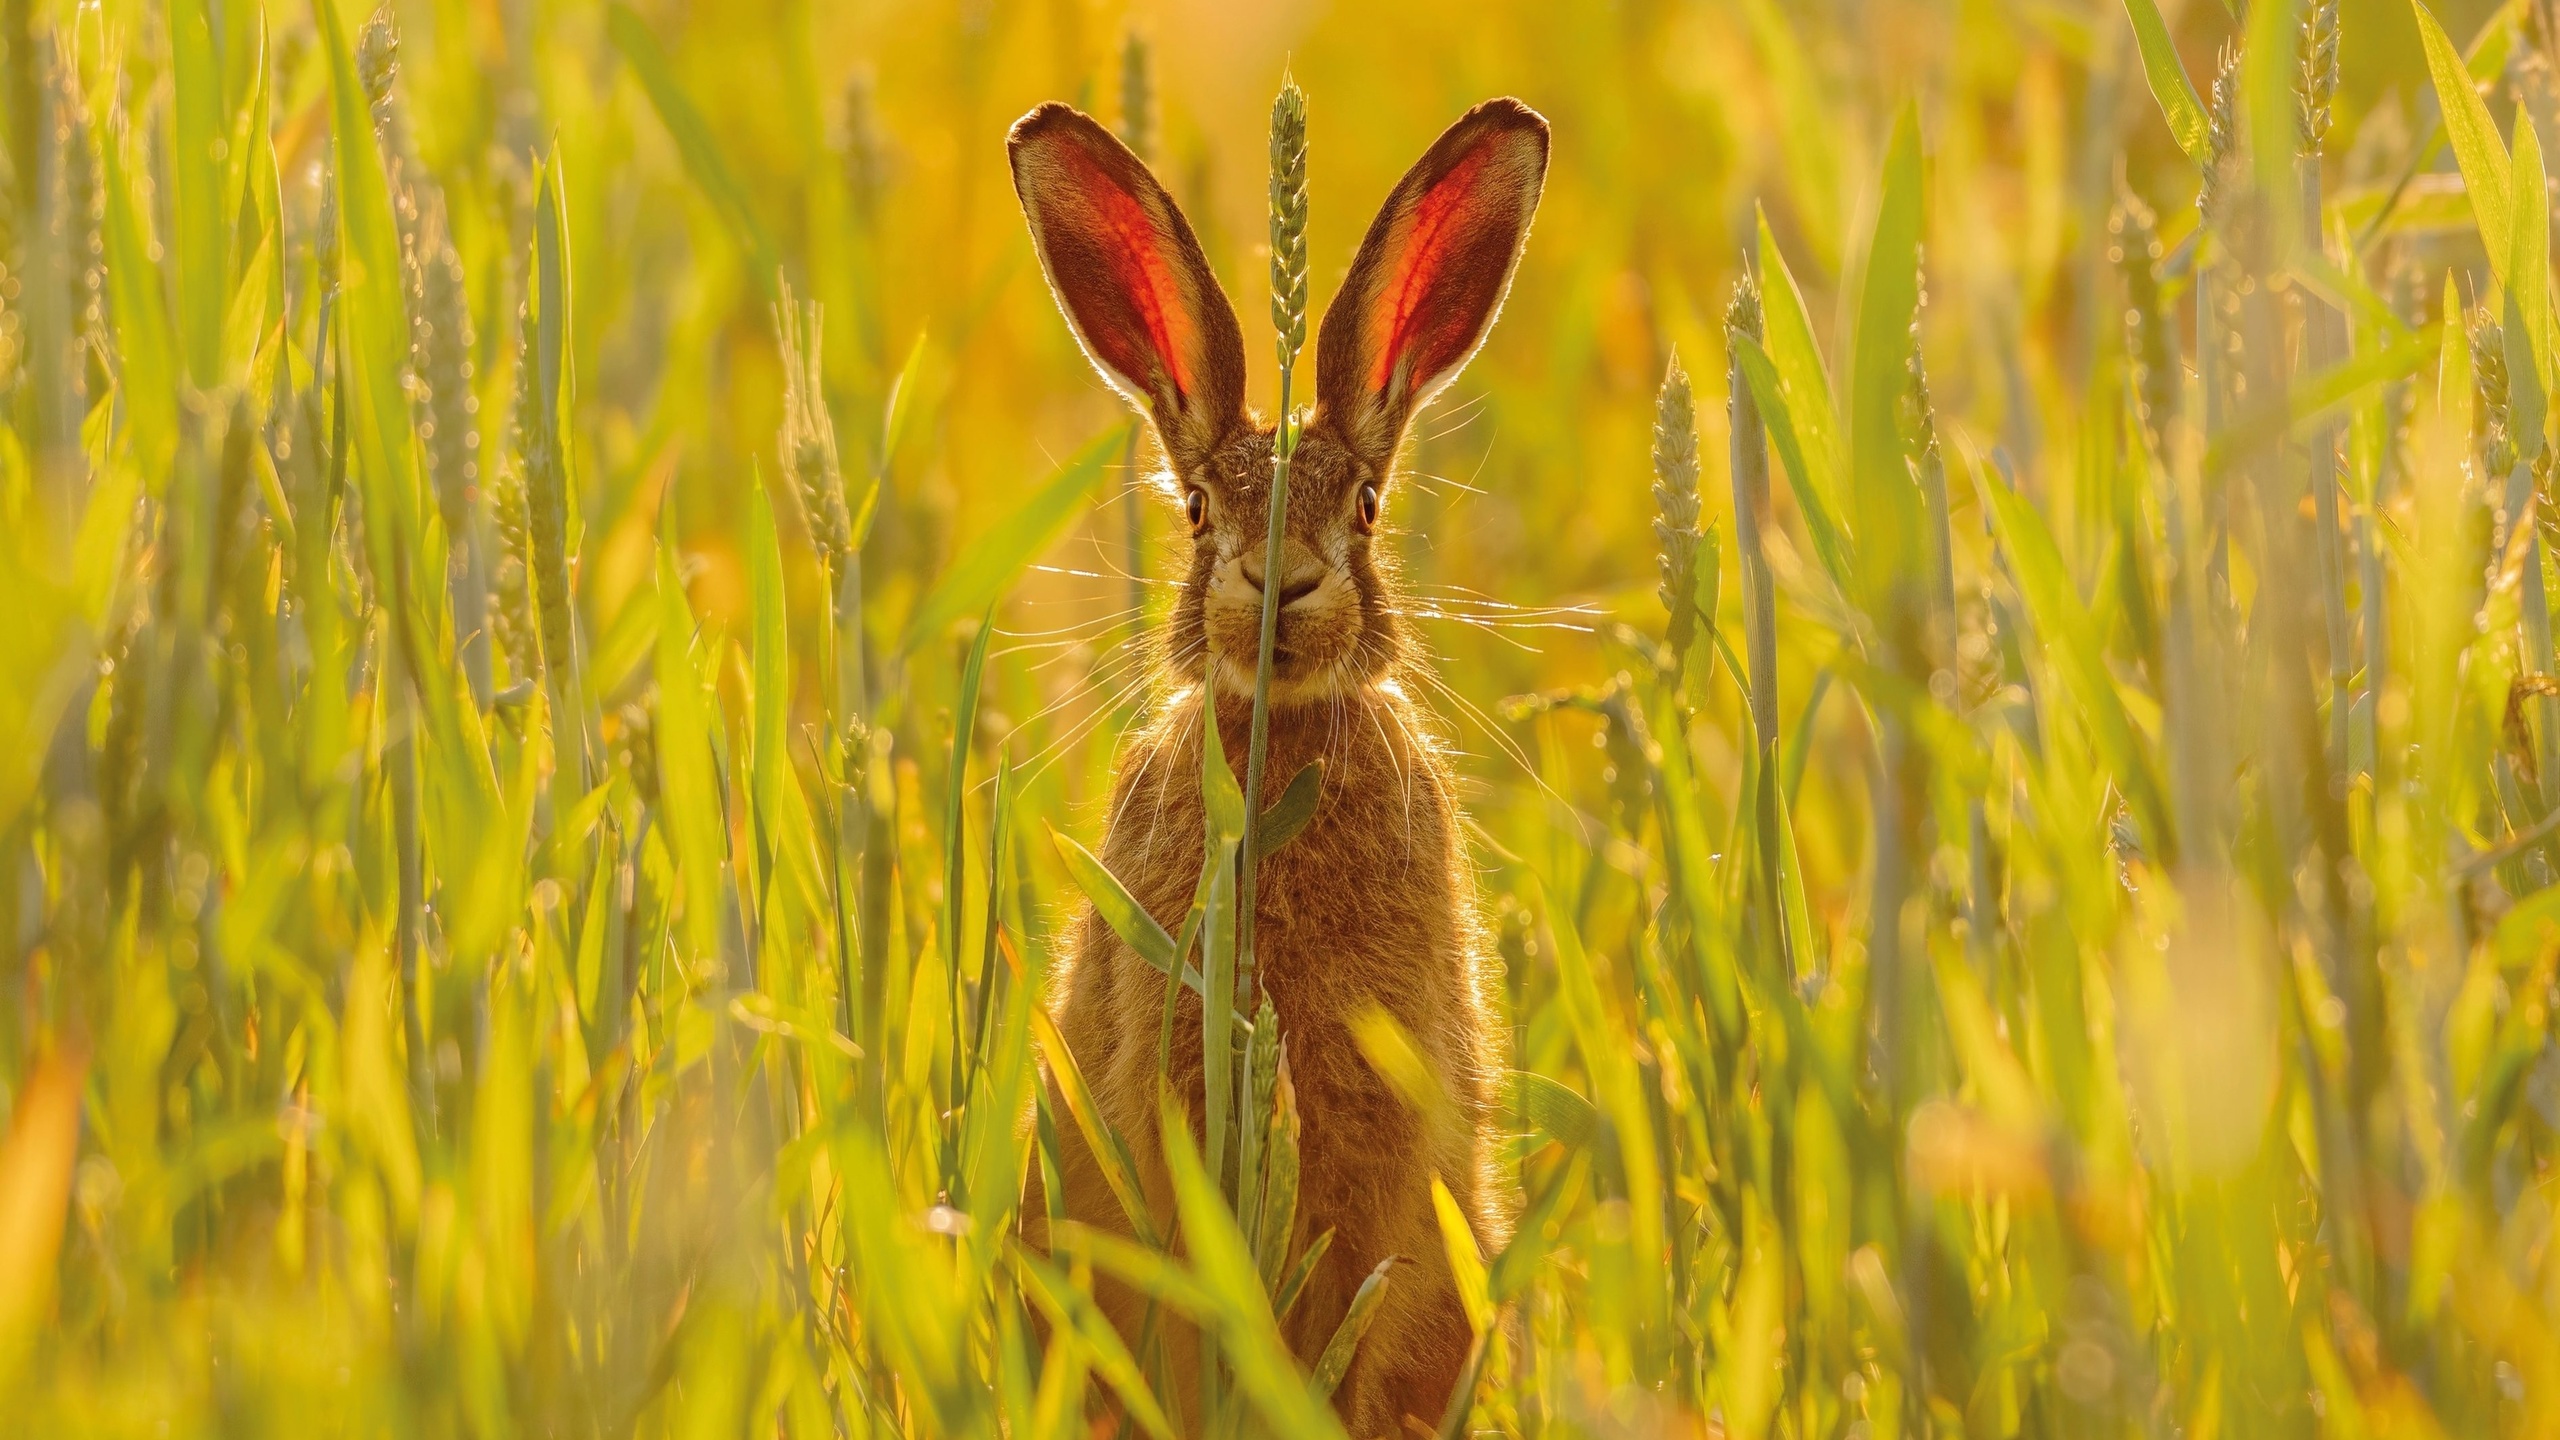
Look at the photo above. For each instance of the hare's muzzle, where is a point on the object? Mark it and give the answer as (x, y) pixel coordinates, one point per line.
(1305, 573)
(1318, 623)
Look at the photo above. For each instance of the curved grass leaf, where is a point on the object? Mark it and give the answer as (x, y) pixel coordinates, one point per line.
(1121, 911)
(1830, 547)
(1509, 1274)
(1787, 331)
(1110, 1152)
(1345, 1344)
(2315, 395)
(1284, 1296)
(1284, 818)
(2179, 103)
(1554, 1107)
(1150, 1272)
(2528, 326)
(1071, 1312)
(1466, 1259)
(2473, 134)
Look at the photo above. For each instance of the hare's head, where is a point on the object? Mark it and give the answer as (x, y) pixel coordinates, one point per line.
(1416, 303)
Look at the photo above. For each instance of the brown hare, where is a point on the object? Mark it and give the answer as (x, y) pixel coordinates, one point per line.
(1374, 903)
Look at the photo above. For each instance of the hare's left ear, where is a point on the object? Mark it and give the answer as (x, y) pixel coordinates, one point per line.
(1429, 277)
(1129, 274)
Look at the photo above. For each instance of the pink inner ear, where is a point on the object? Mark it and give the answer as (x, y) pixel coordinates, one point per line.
(1127, 241)
(1423, 310)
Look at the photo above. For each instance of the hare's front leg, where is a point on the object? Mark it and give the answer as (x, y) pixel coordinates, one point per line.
(1366, 1175)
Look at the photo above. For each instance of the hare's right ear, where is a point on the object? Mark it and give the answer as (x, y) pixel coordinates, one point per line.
(1424, 288)
(1130, 276)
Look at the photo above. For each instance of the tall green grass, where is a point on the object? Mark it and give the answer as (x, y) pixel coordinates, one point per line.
(567, 616)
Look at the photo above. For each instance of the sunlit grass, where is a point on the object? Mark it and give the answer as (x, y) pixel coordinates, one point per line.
(560, 578)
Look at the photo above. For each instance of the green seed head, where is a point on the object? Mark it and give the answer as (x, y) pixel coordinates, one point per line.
(1289, 221)
(2317, 85)
(1742, 312)
(2150, 340)
(511, 606)
(2222, 136)
(2489, 393)
(378, 60)
(1919, 412)
(1675, 495)
(440, 362)
(807, 445)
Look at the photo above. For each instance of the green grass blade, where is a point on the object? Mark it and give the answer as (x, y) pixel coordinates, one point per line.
(1511, 1271)
(1110, 1151)
(1071, 1312)
(2179, 103)
(1892, 560)
(1554, 1107)
(2528, 280)
(1466, 1260)
(1121, 911)
(1344, 1346)
(1149, 1271)
(991, 562)
(1830, 546)
(1805, 384)
(1284, 1296)
(1218, 969)
(1284, 818)
(2476, 146)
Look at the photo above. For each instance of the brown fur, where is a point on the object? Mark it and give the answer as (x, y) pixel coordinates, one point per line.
(1374, 903)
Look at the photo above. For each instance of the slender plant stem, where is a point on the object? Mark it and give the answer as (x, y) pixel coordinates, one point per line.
(1257, 751)
(1288, 203)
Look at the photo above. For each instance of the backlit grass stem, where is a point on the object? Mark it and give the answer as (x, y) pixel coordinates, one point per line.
(1289, 322)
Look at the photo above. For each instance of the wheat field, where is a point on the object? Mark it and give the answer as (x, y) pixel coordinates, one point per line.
(568, 604)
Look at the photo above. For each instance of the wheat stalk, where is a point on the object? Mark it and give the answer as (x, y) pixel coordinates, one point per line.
(806, 446)
(1288, 193)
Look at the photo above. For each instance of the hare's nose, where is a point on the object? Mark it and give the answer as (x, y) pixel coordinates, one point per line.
(1300, 580)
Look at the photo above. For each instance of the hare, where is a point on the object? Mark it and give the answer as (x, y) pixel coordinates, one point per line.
(1374, 903)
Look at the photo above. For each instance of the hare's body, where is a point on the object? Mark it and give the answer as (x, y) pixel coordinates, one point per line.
(1373, 904)
(1406, 940)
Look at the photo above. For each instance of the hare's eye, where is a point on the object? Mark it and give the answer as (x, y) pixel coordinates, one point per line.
(1195, 508)
(1368, 508)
